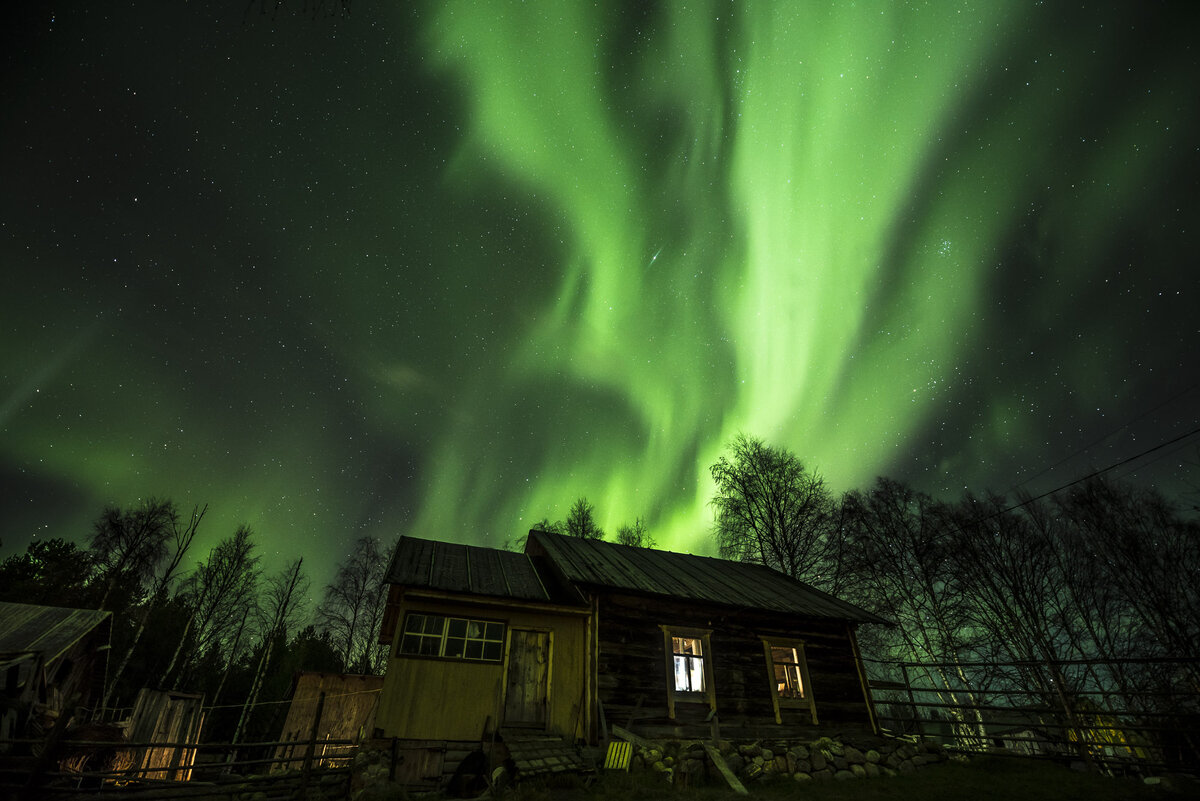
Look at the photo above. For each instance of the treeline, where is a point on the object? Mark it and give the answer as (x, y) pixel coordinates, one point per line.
(1067, 586)
(220, 624)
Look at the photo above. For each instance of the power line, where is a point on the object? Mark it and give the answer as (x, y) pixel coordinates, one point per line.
(1092, 474)
(1094, 443)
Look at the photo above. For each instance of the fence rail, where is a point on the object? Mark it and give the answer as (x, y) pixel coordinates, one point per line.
(1145, 720)
(37, 769)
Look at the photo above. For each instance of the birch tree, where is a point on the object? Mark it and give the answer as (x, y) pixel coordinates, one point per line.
(352, 608)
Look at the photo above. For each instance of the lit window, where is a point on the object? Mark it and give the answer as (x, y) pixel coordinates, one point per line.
(789, 681)
(791, 688)
(689, 664)
(452, 638)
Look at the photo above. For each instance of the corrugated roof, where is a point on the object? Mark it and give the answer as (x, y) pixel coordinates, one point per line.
(49, 630)
(700, 578)
(450, 567)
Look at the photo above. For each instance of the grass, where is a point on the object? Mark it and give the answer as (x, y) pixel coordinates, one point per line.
(982, 779)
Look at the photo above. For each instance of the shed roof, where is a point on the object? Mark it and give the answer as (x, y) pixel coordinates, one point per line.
(700, 578)
(434, 565)
(48, 630)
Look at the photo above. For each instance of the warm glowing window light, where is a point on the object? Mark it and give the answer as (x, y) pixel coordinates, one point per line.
(689, 664)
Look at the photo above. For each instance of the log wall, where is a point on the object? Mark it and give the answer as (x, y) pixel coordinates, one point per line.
(632, 668)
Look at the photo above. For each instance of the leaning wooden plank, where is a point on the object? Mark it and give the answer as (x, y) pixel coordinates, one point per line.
(629, 736)
(719, 761)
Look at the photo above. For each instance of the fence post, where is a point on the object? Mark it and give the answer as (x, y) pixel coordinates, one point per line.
(312, 739)
(912, 701)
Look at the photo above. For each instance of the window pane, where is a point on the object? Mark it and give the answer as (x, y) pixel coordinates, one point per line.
(495, 631)
(492, 651)
(414, 623)
(454, 646)
(474, 650)
(458, 627)
(681, 675)
(434, 624)
(411, 644)
(781, 656)
(430, 646)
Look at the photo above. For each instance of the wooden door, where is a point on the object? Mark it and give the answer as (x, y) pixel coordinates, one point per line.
(528, 685)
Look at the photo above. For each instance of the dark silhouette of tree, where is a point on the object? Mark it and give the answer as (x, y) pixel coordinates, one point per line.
(280, 607)
(581, 521)
(182, 533)
(219, 595)
(352, 608)
(635, 535)
(557, 527)
(51, 572)
(127, 548)
(772, 510)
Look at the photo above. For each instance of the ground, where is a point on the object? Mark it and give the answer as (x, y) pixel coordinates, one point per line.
(982, 779)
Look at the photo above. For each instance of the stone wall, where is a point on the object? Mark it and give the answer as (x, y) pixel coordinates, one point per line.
(685, 762)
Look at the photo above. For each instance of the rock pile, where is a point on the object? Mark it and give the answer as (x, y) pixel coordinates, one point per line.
(820, 759)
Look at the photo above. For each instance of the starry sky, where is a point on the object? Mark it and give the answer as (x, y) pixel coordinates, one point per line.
(441, 268)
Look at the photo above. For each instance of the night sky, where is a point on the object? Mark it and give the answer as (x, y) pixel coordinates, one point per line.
(440, 269)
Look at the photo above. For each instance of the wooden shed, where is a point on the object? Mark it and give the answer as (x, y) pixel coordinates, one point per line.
(330, 708)
(53, 660)
(574, 635)
(162, 726)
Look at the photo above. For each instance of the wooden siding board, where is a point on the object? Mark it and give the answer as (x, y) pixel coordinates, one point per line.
(633, 681)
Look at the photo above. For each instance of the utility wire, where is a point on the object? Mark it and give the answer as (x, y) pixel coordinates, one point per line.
(1093, 444)
(1092, 474)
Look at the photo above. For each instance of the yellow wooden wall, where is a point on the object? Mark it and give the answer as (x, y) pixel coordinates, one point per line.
(452, 699)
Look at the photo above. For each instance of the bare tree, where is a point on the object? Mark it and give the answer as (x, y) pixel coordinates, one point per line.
(128, 547)
(182, 535)
(1149, 555)
(279, 610)
(581, 521)
(635, 535)
(771, 509)
(219, 594)
(898, 553)
(352, 608)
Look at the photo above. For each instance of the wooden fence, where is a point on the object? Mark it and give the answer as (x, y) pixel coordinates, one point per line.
(1135, 716)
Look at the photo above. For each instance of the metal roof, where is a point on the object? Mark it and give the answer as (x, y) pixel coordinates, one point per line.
(48, 630)
(434, 565)
(700, 578)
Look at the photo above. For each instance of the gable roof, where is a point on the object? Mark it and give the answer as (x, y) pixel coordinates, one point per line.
(700, 578)
(449, 567)
(48, 630)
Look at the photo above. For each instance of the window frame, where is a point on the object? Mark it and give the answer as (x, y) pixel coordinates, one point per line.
(806, 700)
(444, 637)
(708, 694)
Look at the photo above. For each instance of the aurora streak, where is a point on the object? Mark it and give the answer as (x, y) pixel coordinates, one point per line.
(442, 269)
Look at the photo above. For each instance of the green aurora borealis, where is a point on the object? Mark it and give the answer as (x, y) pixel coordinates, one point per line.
(443, 271)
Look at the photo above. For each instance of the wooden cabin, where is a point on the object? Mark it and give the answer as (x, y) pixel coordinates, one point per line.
(573, 636)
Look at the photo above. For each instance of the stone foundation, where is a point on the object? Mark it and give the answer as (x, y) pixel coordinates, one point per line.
(826, 758)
